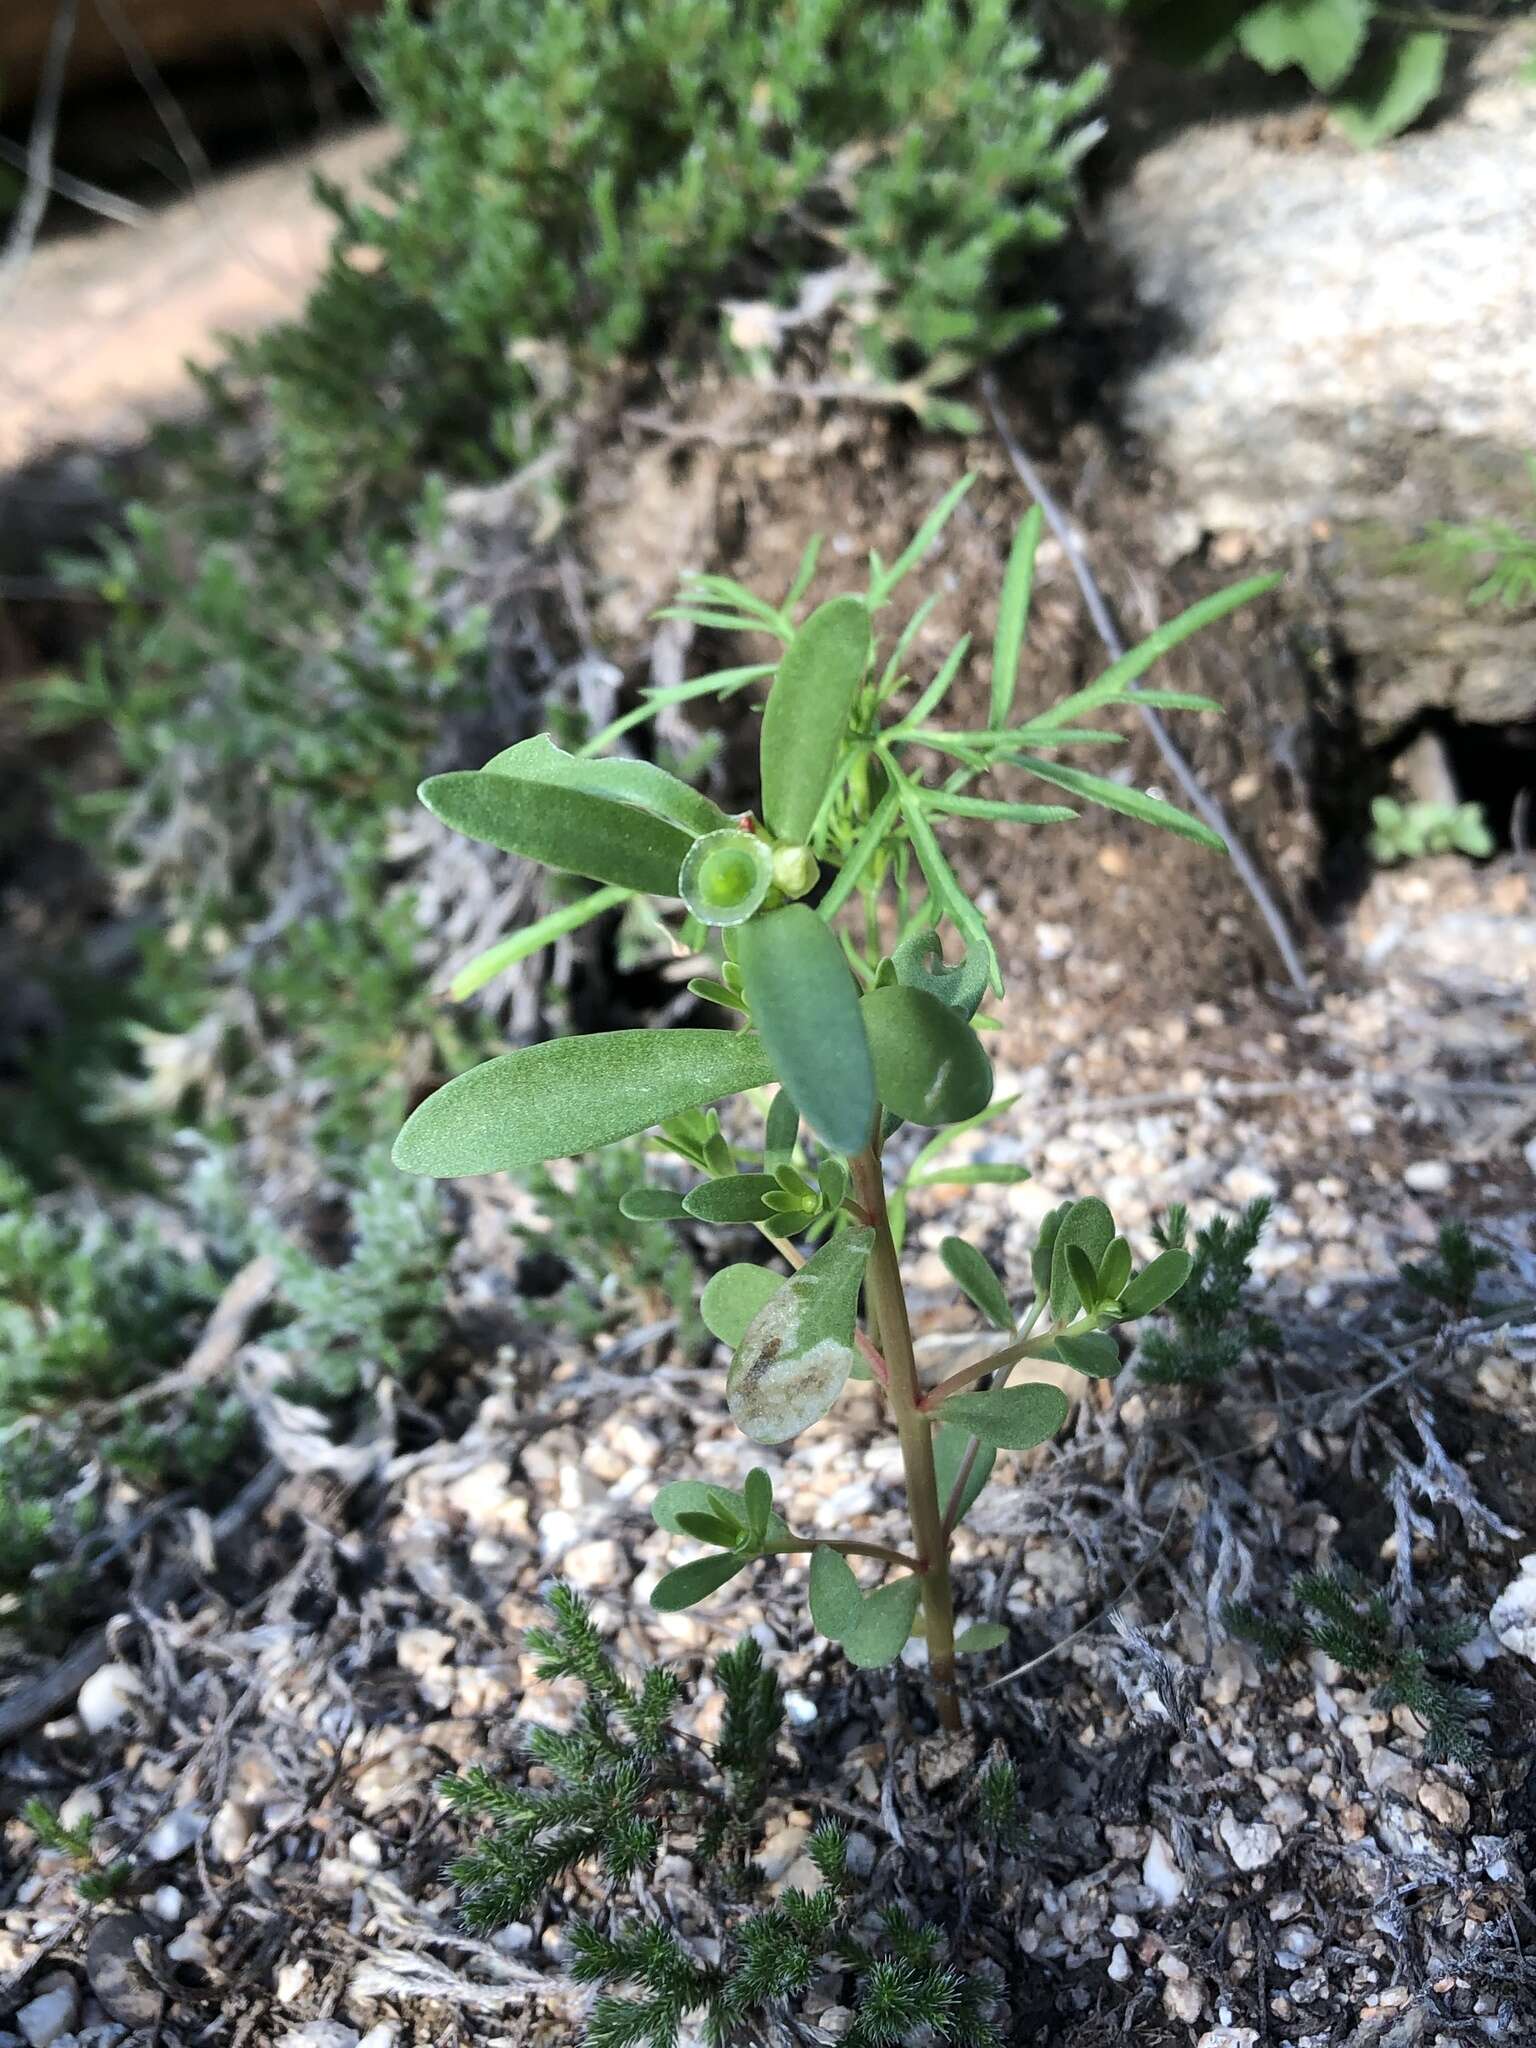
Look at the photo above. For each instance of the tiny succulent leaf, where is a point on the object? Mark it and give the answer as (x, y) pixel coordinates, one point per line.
(835, 1597)
(1114, 1270)
(569, 829)
(930, 1067)
(708, 1528)
(780, 1131)
(652, 1205)
(1157, 1282)
(883, 1625)
(733, 1296)
(1045, 1248)
(950, 1445)
(973, 1275)
(790, 1366)
(832, 1182)
(1088, 1225)
(1012, 1418)
(757, 1493)
(806, 1008)
(571, 1095)
(622, 778)
(980, 1636)
(807, 714)
(691, 1583)
(733, 1198)
(1094, 1353)
(1083, 1273)
(720, 1503)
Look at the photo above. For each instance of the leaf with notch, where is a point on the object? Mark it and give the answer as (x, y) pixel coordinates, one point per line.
(972, 1273)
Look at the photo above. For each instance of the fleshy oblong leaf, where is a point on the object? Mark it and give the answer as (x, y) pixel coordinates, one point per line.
(798, 1350)
(980, 1636)
(571, 1095)
(651, 1205)
(835, 1597)
(1157, 1282)
(1012, 1418)
(619, 777)
(733, 1198)
(1094, 1354)
(807, 714)
(884, 1623)
(930, 1067)
(569, 829)
(1088, 1225)
(806, 1009)
(972, 1273)
(950, 1445)
(733, 1296)
(691, 1583)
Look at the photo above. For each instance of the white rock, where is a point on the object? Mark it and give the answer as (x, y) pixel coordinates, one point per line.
(800, 1709)
(168, 1903)
(52, 2013)
(107, 1697)
(384, 2035)
(293, 1981)
(595, 1567)
(228, 1833)
(1249, 1183)
(1446, 1804)
(177, 1832)
(82, 1804)
(1252, 1845)
(1428, 1176)
(1119, 1963)
(1229, 2037)
(319, 2034)
(1160, 1874)
(420, 1650)
(1513, 1615)
(1183, 1999)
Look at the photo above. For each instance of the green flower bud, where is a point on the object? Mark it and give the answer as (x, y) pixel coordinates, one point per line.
(726, 876)
(794, 870)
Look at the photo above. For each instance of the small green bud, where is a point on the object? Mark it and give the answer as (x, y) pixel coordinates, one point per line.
(726, 876)
(795, 869)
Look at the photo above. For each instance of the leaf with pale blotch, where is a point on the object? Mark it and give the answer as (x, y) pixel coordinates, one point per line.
(733, 1296)
(790, 1366)
(571, 1095)
(1088, 1225)
(1012, 1418)
(884, 1623)
(835, 1596)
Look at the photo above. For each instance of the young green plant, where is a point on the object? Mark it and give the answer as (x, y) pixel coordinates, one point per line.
(826, 911)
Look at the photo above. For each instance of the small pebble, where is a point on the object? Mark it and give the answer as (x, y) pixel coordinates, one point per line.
(177, 1832)
(52, 2013)
(107, 1697)
(1119, 1964)
(1428, 1176)
(1252, 1845)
